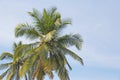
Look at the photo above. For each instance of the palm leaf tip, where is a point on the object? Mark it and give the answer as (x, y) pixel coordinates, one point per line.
(30, 13)
(18, 29)
(73, 55)
(33, 13)
(81, 61)
(52, 10)
(79, 41)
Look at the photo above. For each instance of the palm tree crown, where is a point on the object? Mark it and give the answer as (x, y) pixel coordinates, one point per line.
(12, 67)
(49, 53)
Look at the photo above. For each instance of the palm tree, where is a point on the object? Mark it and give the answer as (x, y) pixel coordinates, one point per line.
(12, 67)
(51, 50)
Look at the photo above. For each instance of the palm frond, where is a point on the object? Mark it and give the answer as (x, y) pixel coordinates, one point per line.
(19, 43)
(36, 15)
(45, 14)
(63, 74)
(19, 52)
(4, 66)
(15, 45)
(67, 62)
(27, 30)
(6, 55)
(43, 67)
(10, 75)
(24, 49)
(72, 54)
(40, 75)
(4, 74)
(27, 65)
(47, 68)
(71, 40)
(63, 24)
(52, 11)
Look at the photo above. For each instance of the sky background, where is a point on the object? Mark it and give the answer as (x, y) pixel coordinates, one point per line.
(98, 22)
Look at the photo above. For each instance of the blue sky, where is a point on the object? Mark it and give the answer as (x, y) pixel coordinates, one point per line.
(96, 20)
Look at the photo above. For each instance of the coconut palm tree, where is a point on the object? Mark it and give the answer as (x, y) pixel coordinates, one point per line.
(12, 67)
(51, 50)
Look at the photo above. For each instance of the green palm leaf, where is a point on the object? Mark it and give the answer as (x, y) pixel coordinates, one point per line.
(71, 40)
(23, 50)
(72, 54)
(10, 76)
(4, 74)
(27, 30)
(6, 55)
(4, 66)
(27, 65)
